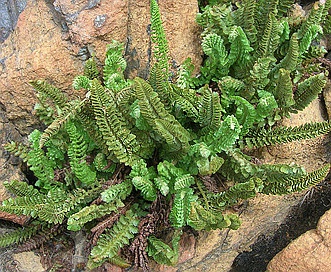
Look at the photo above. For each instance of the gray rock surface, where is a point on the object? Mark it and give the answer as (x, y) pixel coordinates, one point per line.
(9, 11)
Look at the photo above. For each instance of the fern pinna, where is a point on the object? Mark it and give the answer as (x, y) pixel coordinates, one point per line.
(136, 158)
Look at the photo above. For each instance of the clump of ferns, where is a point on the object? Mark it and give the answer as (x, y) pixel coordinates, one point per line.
(136, 158)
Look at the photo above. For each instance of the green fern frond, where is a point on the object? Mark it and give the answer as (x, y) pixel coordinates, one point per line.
(262, 14)
(20, 235)
(245, 17)
(154, 112)
(162, 185)
(117, 137)
(160, 84)
(81, 82)
(142, 180)
(259, 76)
(25, 205)
(58, 204)
(18, 149)
(266, 104)
(207, 219)
(183, 182)
(50, 91)
(181, 207)
(184, 77)
(238, 191)
(113, 239)
(118, 261)
(308, 37)
(281, 135)
(40, 164)
(77, 220)
(77, 152)
(20, 188)
(209, 165)
(176, 137)
(87, 119)
(151, 107)
(225, 137)
(209, 111)
(245, 114)
(314, 18)
(217, 19)
(51, 207)
(270, 39)
(311, 179)
(290, 61)
(68, 112)
(102, 164)
(117, 192)
(43, 110)
(216, 64)
(240, 52)
(307, 91)
(163, 253)
(113, 70)
(188, 101)
(284, 182)
(237, 166)
(283, 92)
(91, 69)
(229, 87)
(158, 37)
(284, 7)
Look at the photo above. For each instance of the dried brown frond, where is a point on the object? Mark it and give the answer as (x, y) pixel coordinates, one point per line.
(156, 220)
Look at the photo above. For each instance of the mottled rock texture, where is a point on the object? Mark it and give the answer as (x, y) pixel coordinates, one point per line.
(310, 252)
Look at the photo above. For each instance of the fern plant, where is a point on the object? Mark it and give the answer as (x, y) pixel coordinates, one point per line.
(282, 62)
(137, 158)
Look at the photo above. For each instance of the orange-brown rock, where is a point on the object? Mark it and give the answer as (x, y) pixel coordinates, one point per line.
(35, 50)
(51, 41)
(310, 252)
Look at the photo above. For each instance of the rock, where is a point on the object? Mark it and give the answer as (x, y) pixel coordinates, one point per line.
(327, 98)
(9, 10)
(181, 31)
(216, 250)
(35, 50)
(10, 166)
(310, 252)
(28, 262)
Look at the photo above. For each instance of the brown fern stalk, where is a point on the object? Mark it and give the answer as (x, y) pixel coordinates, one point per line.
(106, 223)
(42, 237)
